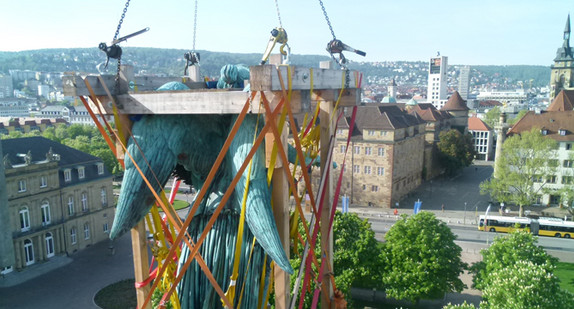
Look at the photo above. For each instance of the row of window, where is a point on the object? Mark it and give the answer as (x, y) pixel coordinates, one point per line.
(23, 185)
(367, 150)
(566, 180)
(368, 169)
(24, 212)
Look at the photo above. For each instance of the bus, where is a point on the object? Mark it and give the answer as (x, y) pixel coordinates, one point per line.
(553, 227)
(556, 228)
(503, 224)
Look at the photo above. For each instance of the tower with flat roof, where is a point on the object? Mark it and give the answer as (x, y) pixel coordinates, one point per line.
(437, 81)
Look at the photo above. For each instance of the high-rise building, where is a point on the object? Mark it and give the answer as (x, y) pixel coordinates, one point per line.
(562, 76)
(436, 91)
(464, 82)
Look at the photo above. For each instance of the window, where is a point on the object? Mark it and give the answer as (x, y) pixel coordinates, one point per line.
(368, 151)
(343, 148)
(49, 245)
(375, 188)
(367, 170)
(562, 132)
(339, 131)
(356, 169)
(568, 146)
(106, 229)
(67, 175)
(383, 133)
(381, 152)
(568, 163)
(100, 168)
(5, 270)
(357, 150)
(567, 180)
(364, 187)
(544, 132)
(73, 238)
(104, 197)
(24, 219)
(21, 185)
(43, 182)
(86, 231)
(537, 178)
(70, 205)
(46, 216)
(371, 132)
(81, 172)
(380, 171)
(551, 179)
(29, 252)
(84, 201)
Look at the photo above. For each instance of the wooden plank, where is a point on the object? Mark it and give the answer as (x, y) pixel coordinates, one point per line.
(265, 78)
(141, 261)
(327, 111)
(280, 196)
(349, 97)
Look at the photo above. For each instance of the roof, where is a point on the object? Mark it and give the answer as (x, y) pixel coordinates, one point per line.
(40, 146)
(489, 103)
(455, 103)
(385, 117)
(551, 121)
(53, 108)
(476, 124)
(562, 102)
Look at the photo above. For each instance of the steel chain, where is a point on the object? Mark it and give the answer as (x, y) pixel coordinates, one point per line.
(194, 25)
(121, 20)
(327, 19)
(278, 14)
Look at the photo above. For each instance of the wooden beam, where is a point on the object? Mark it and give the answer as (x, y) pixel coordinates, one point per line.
(265, 78)
(280, 196)
(141, 262)
(349, 97)
(326, 112)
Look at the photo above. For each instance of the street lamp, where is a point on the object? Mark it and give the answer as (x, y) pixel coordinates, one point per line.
(464, 218)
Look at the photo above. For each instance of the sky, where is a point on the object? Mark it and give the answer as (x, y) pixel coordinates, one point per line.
(469, 32)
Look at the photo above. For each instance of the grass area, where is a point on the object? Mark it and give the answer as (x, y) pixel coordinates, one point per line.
(179, 204)
(565, 271)
(119, 295)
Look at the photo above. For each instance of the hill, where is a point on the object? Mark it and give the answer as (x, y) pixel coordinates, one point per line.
(171, 62)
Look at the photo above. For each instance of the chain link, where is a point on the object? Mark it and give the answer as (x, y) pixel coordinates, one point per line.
(327, 19)
(194, 25)
(278, 14)
(121, 20)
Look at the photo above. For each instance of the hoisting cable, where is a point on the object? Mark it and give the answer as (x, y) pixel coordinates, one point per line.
(192, 58)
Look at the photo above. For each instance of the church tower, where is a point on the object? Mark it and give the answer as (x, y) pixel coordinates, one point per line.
(562, 76)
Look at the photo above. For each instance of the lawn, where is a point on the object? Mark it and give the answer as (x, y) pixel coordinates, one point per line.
(565, 271)
(119, 295)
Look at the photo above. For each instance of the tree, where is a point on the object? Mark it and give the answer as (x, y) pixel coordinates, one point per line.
(421, 259)
(456, 150)
(356, 256)
(506, 251)
(523, 169)
(492, 117)
(525, 284)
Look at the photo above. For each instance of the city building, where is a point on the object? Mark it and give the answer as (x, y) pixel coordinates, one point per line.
(6, 86)
(483, 138)
(385, 159)
(26, 125)
(519, 96)
(59, 200)
(457, 108)
(557, 123)
(437, 81)
(562, 75)
(464, 82)
(391, 96)
(71, 114)
(15, 107)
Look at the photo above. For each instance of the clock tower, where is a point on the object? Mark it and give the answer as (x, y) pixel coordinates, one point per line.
(562, 76)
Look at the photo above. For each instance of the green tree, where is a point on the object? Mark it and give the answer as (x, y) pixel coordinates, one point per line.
(525, 284)
(492, 117)
(456, 150)
(519, 116)
(524, 169)
(356, 256)
(421, 259)
(506, 251)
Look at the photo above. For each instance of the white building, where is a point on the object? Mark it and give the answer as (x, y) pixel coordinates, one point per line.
(14, 107)
(509, 97)
(482, 137)
(464, 82)
(6, 86)
(437, 81)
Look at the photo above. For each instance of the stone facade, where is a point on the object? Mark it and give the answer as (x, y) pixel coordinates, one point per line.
(60, 200)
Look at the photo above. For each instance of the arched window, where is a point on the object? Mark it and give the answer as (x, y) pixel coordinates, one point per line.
(49, 245)
(46, 215)
(24, 219)
(29, 252)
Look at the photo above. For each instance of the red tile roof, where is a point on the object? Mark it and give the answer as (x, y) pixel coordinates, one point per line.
(455, 103)
(475, 124)
(553, 122)
(562, 102)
